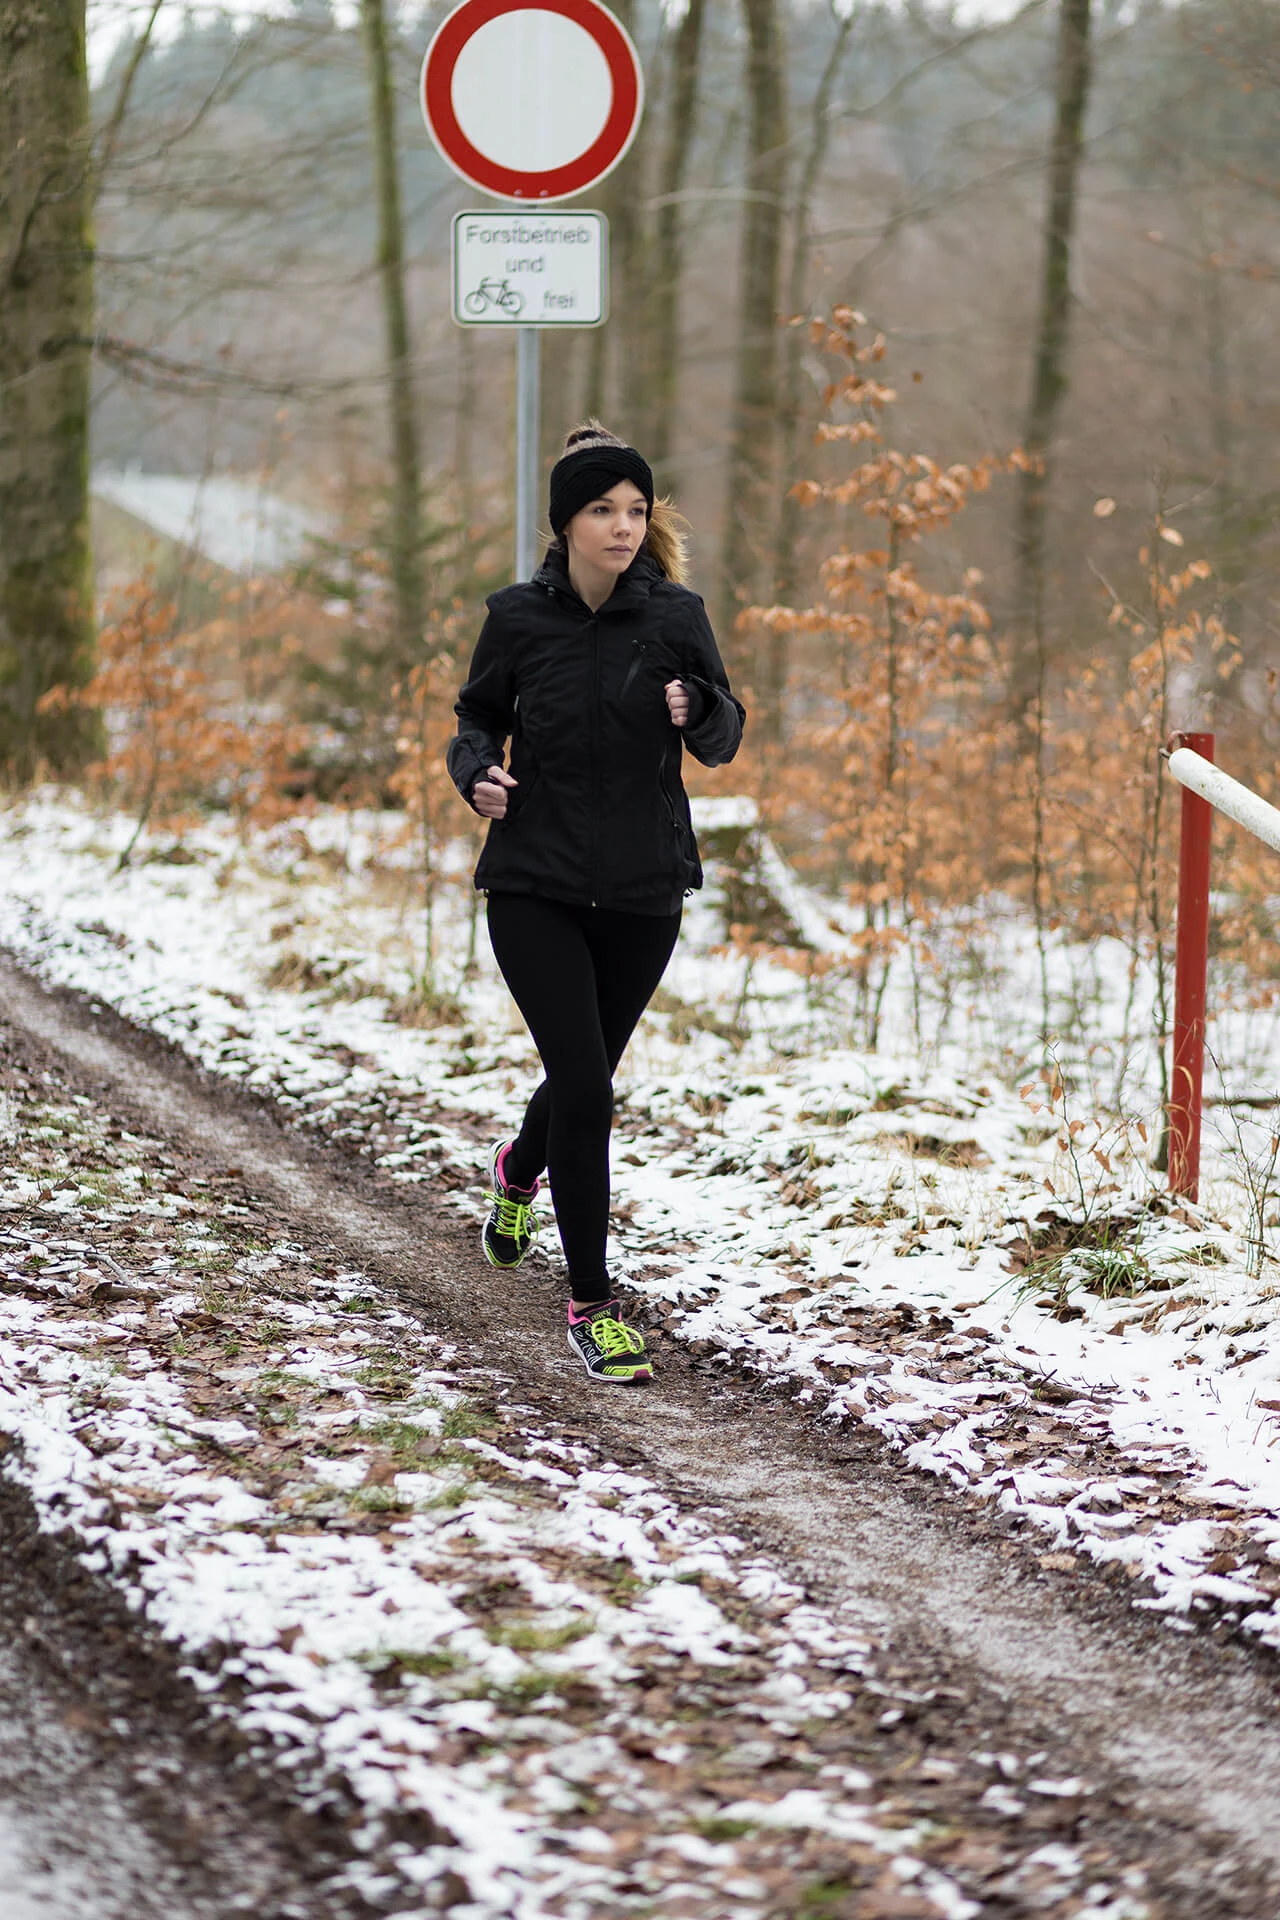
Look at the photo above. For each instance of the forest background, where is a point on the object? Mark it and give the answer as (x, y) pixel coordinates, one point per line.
(976, 537)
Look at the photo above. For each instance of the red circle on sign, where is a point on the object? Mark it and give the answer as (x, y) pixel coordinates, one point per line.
(507, 183)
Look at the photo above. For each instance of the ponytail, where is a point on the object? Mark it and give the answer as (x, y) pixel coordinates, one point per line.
(668, 542)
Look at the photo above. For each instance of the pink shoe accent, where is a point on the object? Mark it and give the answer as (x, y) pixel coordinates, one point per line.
(500, 1170)
(576, 1319)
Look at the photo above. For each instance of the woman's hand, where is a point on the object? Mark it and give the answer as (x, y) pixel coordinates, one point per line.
(489, 796)
(677, 702)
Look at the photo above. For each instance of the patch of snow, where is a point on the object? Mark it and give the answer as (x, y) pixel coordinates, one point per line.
(235, 523)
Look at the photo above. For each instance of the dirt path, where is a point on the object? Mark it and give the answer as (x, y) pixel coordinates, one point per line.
(108, 1810)
(1172, 1738)
(53, 1788)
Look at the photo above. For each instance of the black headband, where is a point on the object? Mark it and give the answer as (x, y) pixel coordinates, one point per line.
(587, 473)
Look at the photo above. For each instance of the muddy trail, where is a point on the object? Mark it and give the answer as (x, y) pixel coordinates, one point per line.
(118, 1800)
(1161, 1748)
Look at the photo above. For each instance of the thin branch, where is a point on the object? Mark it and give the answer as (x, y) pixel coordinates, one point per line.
(111, 131)
(167, 374)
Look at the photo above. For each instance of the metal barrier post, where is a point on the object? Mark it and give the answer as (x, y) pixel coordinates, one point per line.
(1189, 985)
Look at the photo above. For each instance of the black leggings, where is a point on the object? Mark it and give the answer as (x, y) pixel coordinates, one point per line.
(581, 976)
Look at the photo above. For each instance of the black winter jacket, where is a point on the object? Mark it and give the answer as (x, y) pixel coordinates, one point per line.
(599, 816)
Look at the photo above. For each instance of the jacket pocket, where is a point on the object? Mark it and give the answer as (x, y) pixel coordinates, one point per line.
(651, 664)
(638, 651)
(682, 833)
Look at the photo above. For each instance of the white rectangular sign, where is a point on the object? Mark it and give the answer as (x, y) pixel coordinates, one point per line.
(530, 268)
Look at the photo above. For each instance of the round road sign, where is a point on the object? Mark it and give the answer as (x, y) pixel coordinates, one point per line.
(532, 101)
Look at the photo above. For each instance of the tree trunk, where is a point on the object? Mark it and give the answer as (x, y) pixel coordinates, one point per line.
(1049, 377)
(46, 320)
(617, 354)
(791, 407)
(751, 475)
(629, 266)
(1231, 540)
(668, 260)
(405, 532)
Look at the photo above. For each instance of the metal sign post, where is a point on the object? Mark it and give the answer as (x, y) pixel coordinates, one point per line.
(532, 101)
(528, 419)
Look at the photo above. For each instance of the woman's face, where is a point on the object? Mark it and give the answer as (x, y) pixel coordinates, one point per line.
(607, 532)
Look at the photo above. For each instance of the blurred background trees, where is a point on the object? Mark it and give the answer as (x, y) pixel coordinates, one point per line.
(1061, 217)
(1087, 267)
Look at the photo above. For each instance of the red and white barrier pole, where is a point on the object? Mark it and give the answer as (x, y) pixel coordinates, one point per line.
(1224, 794)
(1189, 985)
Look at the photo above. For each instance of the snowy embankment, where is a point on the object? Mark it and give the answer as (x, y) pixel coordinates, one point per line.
(873, 1226)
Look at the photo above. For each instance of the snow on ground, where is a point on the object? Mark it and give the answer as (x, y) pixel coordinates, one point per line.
(523, 1680)
(895, 1232)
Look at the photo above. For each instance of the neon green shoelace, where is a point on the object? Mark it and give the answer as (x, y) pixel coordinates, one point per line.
(614, 1339)
(515, 1217)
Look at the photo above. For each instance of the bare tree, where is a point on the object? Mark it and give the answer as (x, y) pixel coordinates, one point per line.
(629, 247)
(109, 139)
(791, 409)
(46, 323)
(619, 353)
(405, 533)
(751, 464)
(668, 253)
(1049, 373)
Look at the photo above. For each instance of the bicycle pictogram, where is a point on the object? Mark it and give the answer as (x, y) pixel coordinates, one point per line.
(493, 293)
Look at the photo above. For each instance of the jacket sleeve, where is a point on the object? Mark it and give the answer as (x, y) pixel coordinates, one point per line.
(486, 711)
(714, 730)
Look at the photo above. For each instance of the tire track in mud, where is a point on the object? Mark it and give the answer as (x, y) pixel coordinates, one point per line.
(1177, 1733)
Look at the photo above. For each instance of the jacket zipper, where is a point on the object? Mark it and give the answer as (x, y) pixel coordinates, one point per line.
(637, 658)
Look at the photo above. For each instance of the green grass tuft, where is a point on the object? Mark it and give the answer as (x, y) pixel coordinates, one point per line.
(434, 1661)
(448, 1498)
(381, 1500)
(719, 1829)
(464, 1421)
(529, 1639)
(824, 1899)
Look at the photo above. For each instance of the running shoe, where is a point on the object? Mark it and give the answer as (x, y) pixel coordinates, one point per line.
(608, 1349)
(512, 1225)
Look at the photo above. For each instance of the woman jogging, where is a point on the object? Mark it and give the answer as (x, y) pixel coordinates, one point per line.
(598, 671)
